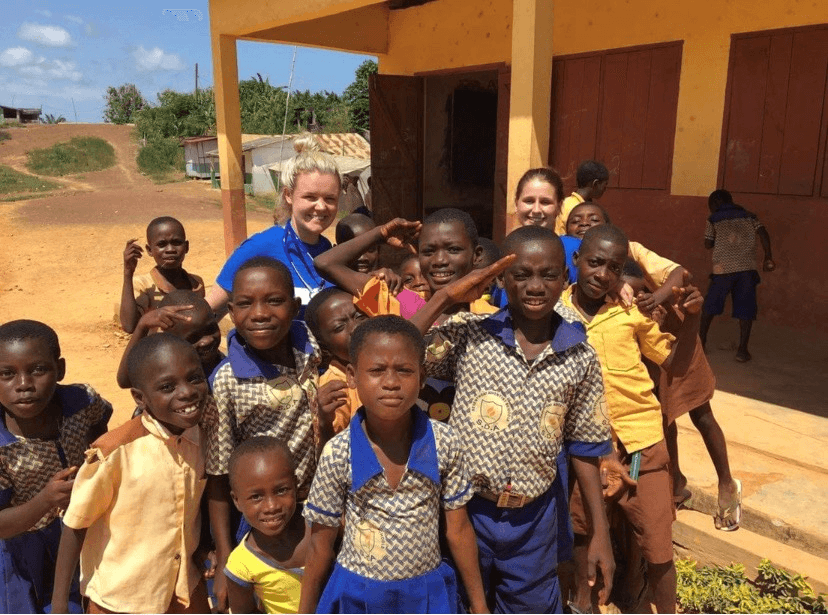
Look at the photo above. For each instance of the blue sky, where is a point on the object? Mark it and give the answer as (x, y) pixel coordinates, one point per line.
(51, 54)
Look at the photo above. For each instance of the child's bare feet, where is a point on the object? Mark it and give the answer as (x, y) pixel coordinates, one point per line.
(743, 356)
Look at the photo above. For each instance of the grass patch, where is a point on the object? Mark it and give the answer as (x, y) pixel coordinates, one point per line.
(260, 202)
(12, 124)
(4, 135)
(14, 181)
(161, 160)
(79, 155)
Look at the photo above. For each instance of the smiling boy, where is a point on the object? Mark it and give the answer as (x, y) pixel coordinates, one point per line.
(134, 517)
(167, 244)
(526, 381)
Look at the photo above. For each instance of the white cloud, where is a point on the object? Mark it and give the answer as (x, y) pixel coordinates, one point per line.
(15, 56)
(43, 12)
(51, 69)
(156, 59)
(74, 19)
(49, 36)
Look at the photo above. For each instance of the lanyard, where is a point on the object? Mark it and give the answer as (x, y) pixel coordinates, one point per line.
(295, 248)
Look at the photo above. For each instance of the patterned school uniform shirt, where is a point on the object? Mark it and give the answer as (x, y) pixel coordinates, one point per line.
(390, 533)
(513, 415)
(26, 465)
(732, 230)
(257, 398)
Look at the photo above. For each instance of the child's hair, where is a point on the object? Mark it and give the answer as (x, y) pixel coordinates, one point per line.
(185, 297)
(450, 215)
(591, 204)
(720, 197)
(20, 330)
(590, 171)
(156, 222)
(345, 227)
(388, 325)
(315, 304)
(491, 253)
(405, 259)
(145, 350)
(608, 232)
(545, 174)
(254, 445)
(267, 262)
(632, 270)
(308, 159)
(528, 234)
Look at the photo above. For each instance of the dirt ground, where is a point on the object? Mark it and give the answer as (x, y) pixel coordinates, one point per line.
(61, 257)
(61, 262)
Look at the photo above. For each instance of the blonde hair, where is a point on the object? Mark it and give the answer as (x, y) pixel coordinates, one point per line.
(308, 159)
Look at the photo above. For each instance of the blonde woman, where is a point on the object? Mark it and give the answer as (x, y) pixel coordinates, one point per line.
(311, 187)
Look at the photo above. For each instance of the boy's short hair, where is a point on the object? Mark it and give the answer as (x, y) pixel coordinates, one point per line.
(315, 304)
(596, 206)
(345, 227)
(19, 330)
(528, 234)
(156, 222)
(608, 232)
(146, 349)
(184, 297)
(545, 174)
(491, 253)
(720, 197)
(450, 215)
(388, 325)
(590, 171)
(257, 444)
(266, 262)
(632, 270)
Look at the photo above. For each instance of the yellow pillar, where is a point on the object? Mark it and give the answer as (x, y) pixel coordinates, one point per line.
(228, 126)
(531, 91)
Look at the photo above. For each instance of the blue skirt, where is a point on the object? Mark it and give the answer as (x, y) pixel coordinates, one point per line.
(432, 592)
(27, 570)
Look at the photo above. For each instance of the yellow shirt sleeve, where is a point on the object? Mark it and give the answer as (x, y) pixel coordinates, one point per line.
(654, 343)
(569, 203)
(656, 268)
(92, 492)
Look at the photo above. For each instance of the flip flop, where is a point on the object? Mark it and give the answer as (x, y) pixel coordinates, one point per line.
(728, 519)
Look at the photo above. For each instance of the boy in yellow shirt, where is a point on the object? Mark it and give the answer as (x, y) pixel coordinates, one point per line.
(592, 178)
(620, 335)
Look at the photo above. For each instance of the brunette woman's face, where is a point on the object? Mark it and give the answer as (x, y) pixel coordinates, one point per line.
(538, 204)
(313, 204)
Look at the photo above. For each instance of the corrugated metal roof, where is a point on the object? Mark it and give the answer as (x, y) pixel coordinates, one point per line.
(344, 144)
(348, 165)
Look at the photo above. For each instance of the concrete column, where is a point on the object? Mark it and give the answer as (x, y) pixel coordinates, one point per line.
(228, 125)
(531, 91)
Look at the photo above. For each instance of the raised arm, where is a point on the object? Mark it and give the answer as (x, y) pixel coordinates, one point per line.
(129, 312)
(163, 318)
(317, 565)
(689, 302)
(331, 264)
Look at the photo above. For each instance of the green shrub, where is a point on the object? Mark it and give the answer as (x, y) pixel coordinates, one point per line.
(79, 155)
(161, 157)
(4, 135)
(728, 590)
(14, 181)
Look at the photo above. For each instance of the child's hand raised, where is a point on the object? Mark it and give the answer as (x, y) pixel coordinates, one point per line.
(472, 286)
(391, 279)
(688, 299)
(132, 253)
(401, 233)
(330, 397)
(57, 491)
(623, 294)
(165, 318)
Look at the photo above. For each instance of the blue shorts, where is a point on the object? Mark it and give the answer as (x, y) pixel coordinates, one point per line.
(742, 285)
(518, 551)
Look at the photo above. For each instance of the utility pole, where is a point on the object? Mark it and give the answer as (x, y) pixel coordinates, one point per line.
(284, 124)
(75, 110)
(196, 80)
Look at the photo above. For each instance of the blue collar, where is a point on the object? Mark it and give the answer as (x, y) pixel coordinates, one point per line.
(72, 399)
(247, 364)
(567, 334)
(730, 211)
(421, 459)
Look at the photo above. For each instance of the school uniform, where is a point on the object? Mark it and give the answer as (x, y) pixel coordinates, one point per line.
(150, 288)
(620, 336)
(514, 417)
(27, 561)
(257, 398)
(283, 244)
(732, 230)
(390, 557)
(277, 589)
(569, 203)
(138, 494)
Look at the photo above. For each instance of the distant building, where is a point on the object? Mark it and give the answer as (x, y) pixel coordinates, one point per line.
(198, 163)
(24, 116)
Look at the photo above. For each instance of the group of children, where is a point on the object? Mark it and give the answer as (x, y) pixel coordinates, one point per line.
(426, 438)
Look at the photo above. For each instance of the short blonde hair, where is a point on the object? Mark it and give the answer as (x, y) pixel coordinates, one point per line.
(308, 158)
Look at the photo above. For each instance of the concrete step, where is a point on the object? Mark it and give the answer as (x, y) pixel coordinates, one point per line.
(694, 537)
(779, 455)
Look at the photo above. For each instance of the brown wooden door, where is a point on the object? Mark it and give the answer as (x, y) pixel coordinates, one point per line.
(396, 146)
(501, 198)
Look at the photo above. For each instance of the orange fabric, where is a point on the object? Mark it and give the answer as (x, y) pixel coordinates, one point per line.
(346, 412)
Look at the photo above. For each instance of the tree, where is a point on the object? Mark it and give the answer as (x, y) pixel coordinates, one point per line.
(52, 119)
(122, 103)
(356, 96)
